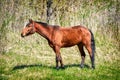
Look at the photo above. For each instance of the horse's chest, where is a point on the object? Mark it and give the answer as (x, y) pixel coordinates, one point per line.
(52, 44)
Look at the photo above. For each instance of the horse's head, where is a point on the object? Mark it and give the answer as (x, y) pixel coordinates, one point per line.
(29, 28)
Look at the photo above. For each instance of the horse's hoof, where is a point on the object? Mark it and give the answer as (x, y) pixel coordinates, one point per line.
(82, 66)
(57, 68)
(93, 67)
(62, 67)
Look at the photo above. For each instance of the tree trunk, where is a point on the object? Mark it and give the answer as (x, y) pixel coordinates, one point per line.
(49, 10)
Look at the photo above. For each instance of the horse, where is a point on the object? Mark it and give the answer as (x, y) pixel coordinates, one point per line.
(59, 37)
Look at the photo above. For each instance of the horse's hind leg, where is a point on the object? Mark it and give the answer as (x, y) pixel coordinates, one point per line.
(88, 47)
(80, 46)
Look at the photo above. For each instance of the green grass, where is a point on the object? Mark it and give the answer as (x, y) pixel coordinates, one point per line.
(31, 58)
(12, 68)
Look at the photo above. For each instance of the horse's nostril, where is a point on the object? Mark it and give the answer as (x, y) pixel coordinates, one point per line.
(22, 35)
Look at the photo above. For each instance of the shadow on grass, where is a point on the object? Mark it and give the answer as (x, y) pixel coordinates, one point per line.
(45, 66)
(26, 66)
(77, 65)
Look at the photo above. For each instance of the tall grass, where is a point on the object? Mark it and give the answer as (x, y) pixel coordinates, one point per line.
(3, 32)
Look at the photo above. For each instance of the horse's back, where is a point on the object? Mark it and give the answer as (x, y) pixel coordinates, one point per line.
(73, 35)
(75, 31)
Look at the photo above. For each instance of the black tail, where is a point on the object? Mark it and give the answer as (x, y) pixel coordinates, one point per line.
(92, 42)
(93, 49)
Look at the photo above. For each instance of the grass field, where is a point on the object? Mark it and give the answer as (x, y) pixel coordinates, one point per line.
(31, 58)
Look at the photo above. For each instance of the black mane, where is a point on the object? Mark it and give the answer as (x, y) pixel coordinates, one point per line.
(45, 24)
(42, 23)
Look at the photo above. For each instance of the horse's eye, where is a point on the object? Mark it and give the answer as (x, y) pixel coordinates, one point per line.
(28, 30)
(28, 26)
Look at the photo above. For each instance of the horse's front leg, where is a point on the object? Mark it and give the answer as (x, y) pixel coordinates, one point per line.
(58, 57)
(61, 62)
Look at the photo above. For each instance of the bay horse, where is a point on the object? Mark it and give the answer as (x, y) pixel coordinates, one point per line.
(59, 37)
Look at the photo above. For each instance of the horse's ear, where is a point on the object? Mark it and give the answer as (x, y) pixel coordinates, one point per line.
(30, 20)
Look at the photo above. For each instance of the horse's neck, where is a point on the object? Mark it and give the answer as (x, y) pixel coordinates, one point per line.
(44, 31)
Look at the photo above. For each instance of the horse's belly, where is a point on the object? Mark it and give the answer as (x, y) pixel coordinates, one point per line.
(70, 43)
